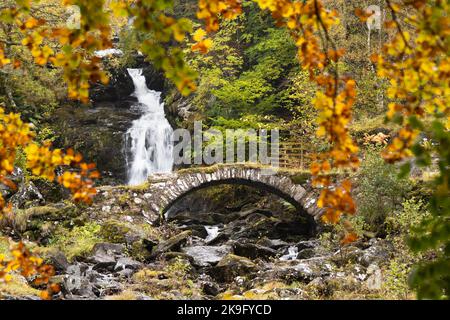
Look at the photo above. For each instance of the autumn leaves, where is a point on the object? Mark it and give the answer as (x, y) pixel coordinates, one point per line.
(307, 21)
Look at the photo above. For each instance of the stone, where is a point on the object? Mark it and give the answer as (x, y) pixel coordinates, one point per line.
(59, 261)
(210, 288)
(168, 256)
(374, 279)
(127, 263)
(306, 253)
(198, 230)
(379, 251)
(172, 244)
(160, 192)
(104, 255)
(103, 261)
(346, 254)
(108, 248)
(207, 255)
(232, 266)
(308, 244)
(273, 243)
(27, 193)
(253, 251)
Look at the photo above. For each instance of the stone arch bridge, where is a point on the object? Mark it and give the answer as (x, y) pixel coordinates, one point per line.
(163, 190)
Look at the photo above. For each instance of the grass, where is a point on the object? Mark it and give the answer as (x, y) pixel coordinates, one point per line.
(17, 287)
(125, 295)
(4, 247)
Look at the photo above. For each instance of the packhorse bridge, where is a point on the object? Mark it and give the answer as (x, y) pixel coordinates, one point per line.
(163, 190)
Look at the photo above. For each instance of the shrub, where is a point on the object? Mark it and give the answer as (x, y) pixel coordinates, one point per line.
(402, 221)
(396, 280)
(380, 190)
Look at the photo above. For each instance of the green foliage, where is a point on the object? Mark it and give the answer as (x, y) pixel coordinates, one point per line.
(432, 278)
(395, 283)
(179, 267)
(247, 72)
(402, 221)
(78, 241)
(380, 190)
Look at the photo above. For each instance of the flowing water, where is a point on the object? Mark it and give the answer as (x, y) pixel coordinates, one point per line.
(149, 141)
(291, 255)
(213, 232)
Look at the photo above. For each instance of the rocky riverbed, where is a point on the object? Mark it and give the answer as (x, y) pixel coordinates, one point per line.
(239, 244)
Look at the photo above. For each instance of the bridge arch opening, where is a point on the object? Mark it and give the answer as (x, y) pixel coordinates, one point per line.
(171, 209)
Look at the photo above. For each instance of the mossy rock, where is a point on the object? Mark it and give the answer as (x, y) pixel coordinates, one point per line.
(140, 251)
(115, 231)
(40, 222)
(232, 266)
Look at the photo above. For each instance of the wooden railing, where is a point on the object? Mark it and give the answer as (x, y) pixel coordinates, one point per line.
(294, 154)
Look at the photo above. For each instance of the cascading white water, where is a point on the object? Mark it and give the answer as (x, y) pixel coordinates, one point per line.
(213, 232)
(149, 141)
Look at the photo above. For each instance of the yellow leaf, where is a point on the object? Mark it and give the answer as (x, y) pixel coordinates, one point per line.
(199, 35)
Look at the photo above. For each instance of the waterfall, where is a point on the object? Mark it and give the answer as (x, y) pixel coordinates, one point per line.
(148, 142)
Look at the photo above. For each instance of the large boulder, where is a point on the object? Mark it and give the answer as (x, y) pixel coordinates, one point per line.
(232, 266)
(207, 255)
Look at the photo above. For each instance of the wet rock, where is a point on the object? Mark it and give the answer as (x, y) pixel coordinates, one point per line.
(104, 126)
(127, 263)
(210, 288)
(248, 214)
(119, 87)
(273, 243)
(207, 255)
(253, 251)
(308, 244)
(290, 228)
(221, 237)
(172, 244)
(306, 253)
(232, 266)
(255, 225)
(198, 230)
